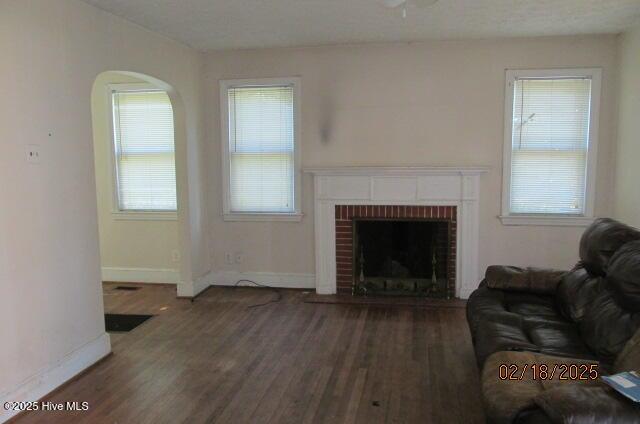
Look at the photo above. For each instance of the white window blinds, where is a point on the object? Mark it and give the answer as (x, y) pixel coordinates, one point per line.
(144, 151)
(550, 137)
(261, 149)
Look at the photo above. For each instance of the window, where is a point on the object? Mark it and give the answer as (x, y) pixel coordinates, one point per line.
(260, 146)
(551, 121)
(144, 158)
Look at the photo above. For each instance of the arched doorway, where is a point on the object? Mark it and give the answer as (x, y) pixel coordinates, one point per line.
(143, 226)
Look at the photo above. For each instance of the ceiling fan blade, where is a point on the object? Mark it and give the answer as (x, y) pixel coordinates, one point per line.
(392, 3)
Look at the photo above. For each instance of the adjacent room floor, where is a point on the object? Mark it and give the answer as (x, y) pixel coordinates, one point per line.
(217, 360)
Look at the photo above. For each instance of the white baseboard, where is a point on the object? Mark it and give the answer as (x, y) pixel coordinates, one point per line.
(45, 381)
(273, 279)
(141, 275)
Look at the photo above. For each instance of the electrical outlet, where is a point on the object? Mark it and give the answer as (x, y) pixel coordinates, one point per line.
(239, 257)
(33, 153)
(228, 258)
(175, 255)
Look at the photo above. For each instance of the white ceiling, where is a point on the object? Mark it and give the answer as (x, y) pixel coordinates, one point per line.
(232, 24)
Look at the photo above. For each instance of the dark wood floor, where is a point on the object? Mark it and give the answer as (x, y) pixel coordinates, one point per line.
(215, 360)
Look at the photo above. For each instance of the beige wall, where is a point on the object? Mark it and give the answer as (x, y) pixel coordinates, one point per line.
(51, 302)
(125, 244)
(627, 193)
(431, 103)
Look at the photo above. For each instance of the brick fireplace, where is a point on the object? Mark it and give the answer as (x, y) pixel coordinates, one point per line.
(346, 257)
(347, 195)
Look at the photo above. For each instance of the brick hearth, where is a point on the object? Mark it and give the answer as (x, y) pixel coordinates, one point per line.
(345, 215)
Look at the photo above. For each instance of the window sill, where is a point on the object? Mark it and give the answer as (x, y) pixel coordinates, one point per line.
(263, 217)
(548, 220)
(144, 216)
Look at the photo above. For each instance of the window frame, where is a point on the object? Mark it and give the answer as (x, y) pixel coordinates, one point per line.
(131, 214)
(228, 214)
(559, 219)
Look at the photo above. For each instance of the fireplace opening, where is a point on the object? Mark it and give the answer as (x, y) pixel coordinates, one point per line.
(401, 257)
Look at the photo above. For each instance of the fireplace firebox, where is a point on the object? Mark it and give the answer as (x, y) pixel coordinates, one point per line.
(396, 250)
(401, 257)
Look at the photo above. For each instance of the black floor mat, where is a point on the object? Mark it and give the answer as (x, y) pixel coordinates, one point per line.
(122, 322)
(128, 288)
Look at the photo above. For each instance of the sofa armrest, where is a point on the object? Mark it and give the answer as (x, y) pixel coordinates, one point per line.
(533, 280)
(586, 404)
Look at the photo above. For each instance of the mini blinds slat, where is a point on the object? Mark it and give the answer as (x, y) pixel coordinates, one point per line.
(550, 139)
(261, 149)
(144, 150)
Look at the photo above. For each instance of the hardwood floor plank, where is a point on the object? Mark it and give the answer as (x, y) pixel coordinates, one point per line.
(218, 360)
(356, 396)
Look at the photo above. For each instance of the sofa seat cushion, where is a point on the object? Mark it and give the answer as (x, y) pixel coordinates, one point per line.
(505, 398)
(514, 321)
(557, 338)
(485, 302)
(533, 309)
(510, 332)
(493, 336)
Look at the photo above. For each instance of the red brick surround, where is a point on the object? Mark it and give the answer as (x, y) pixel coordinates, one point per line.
(345, 215)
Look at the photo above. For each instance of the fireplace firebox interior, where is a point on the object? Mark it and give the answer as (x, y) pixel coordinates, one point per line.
(401, 257)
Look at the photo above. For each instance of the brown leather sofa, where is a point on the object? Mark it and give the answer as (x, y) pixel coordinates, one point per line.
(573, 324)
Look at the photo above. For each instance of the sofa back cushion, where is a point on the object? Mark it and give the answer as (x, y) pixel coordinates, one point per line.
(576, 291)
(601, 240)
(612, 317)
(624, 276)
(606, 327)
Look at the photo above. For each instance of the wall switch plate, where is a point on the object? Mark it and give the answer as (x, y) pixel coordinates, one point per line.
(33, 153)
(228, 258)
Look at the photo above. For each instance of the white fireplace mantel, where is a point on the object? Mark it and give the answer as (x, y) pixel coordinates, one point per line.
(419, 186)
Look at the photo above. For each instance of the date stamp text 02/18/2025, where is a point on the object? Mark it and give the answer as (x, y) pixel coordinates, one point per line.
(548, 372)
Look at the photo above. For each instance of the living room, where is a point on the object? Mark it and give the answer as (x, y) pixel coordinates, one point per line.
(316, 254)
